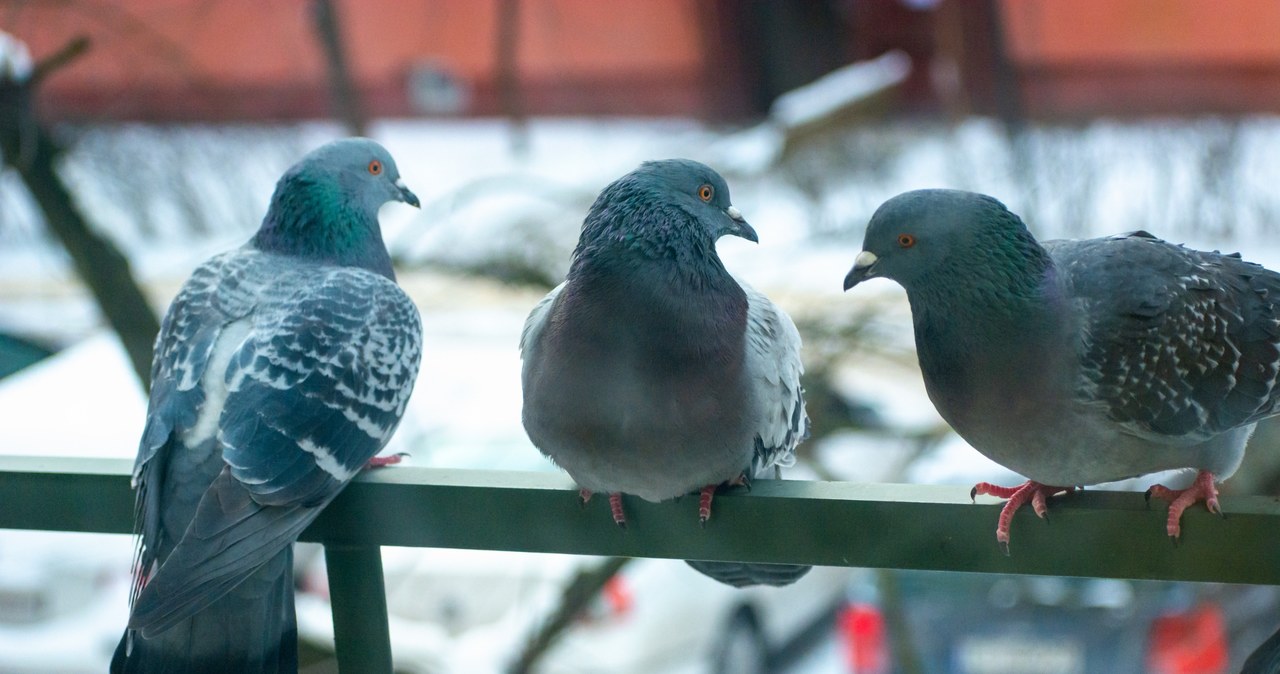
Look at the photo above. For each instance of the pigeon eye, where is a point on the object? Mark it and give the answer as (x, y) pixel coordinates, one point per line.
(906, 240)
(375, 167)
(706, 192)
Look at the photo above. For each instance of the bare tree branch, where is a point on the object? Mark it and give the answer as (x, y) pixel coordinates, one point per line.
(507, 76)
(346, 101)
(69, 52)
(584, 587)
(29, 149)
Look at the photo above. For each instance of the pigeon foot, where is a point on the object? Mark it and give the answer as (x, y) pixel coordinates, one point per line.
(1203, 489)
(1017, 497)
(615, 507)
(704, 503)
(384, 461)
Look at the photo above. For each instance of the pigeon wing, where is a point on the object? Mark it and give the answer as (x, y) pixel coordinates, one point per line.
(219, 292)
(773, 368)
(538, 319)
(319, 386)
(1177, 342)
(314, 391)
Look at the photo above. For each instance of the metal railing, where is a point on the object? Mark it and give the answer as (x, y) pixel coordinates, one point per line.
(1094, 533)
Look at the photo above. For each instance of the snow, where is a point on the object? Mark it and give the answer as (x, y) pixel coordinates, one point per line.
(840, 88)
(759, 147)
(86, 401)
(15, 58)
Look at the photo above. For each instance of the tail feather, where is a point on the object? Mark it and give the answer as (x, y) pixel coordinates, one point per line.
(250, 629)
(1266, 659)
(742, 574)
(230, 536)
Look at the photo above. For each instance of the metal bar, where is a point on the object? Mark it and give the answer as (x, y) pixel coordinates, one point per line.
(358, 595)
(1097, 533)
(61, 494)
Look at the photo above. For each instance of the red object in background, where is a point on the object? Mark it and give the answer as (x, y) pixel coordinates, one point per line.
(614, 602)
(1194, 642)
(617, 596)
(861, 627)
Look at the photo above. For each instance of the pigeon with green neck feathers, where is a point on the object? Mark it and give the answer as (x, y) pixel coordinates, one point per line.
(651, 371)
(281, 369)
(1080, 362)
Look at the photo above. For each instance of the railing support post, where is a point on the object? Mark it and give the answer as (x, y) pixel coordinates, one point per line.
(359, 598)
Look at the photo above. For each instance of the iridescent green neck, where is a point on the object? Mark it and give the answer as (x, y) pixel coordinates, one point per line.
(312, 219)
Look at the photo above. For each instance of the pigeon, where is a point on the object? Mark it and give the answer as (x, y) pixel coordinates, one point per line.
(280, 370)
(1076, 362)
(651, 371)
(1265, 659)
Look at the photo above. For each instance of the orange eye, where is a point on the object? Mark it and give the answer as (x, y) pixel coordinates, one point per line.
(906, 240)
(375, 167)
(706, 192)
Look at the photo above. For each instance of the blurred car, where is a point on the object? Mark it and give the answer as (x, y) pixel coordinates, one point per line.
(966, 623)
(472, 611)
(64, 600)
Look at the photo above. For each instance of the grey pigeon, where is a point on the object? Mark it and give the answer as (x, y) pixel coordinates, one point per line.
(280, 370)
(1079, 362)
(1265, 659)
(651, 371)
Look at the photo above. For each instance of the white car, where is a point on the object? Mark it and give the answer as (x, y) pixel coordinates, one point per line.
(472, 611)
(64, 600)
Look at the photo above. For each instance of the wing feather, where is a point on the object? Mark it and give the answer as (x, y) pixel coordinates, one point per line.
(538, 319)
(319, 366)
(1181, 343)
(773, 368)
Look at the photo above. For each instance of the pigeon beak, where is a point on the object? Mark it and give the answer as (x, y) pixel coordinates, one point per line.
(740, 226)
(407, 196)
(862, 269)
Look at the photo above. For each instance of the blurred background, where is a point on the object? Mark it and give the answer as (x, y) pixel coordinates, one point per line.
(140, 137)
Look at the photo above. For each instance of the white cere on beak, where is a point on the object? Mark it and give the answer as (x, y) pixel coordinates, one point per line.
(865, 259)
(733, 213)
(400, 183)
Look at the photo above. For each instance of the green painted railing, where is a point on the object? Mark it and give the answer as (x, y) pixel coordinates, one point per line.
(1095, 533)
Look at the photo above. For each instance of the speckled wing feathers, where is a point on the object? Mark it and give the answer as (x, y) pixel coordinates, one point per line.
(1180, 343)
(217, 293)
(320, 366)
(327, 370)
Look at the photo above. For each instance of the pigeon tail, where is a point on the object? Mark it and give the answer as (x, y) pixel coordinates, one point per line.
(251, 629)
(743, 574)
(1265, 659)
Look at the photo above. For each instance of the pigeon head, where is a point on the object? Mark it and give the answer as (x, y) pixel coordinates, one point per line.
(940, 236)
(673, 204)
(326, 205)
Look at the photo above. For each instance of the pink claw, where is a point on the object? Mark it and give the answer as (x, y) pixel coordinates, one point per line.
(704, 503)
(1203, 489)
(615, 506)
(1017, 497)
(384, 461)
